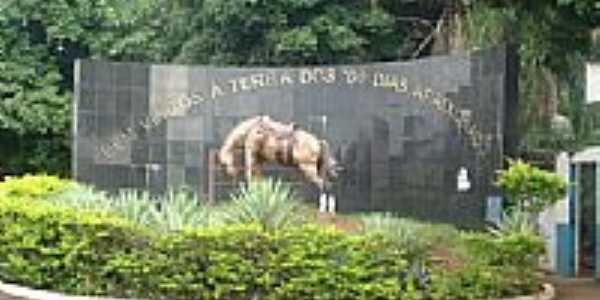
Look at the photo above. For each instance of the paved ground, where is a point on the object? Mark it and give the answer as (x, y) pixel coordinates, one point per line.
(4, 297)
(576, 289)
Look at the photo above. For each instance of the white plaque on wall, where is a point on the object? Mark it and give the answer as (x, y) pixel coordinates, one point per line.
(592, 82)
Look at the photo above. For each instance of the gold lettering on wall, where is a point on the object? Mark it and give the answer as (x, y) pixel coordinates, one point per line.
(308, 76)
(286, 79)
(329, 75)
(418, 93)
(257, 80)
(234, 86)
(216, 91)
(394, 82)
(354, 76)
(245, 84)
(317, 75)
(428, 93)
(270, 79)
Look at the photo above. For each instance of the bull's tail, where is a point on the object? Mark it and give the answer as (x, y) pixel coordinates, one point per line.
(233, 140)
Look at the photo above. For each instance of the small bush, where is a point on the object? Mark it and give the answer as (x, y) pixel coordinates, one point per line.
(33, 186)
(530, 188)
(515, 221)
(53, 247)
(326, 264)
(80, 197)
(416, 237)
(179, 210)
(496, 266)
(272, 204)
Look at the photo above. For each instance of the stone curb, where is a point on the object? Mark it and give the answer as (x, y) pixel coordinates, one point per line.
(31, 294)
(548, 293)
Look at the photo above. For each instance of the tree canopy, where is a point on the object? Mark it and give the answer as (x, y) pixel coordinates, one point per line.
(40, 39)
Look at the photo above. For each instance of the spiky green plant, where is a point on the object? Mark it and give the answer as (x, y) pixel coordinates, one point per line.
(403, 231)
(180, 209)
(82, 197)
(175, 210)
(270, 203)
(133, 205)
(414, 236)
(515, 222)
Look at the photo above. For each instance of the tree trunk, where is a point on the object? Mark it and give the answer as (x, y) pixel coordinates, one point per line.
(450, 39)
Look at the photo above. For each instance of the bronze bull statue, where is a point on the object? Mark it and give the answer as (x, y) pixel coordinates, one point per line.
(265, 140)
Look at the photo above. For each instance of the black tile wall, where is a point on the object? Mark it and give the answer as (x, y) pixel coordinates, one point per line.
(401, 153)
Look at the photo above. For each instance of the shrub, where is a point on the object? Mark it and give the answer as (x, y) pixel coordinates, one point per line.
(314, 263)
(33, 186)
(271, 204)
(80, 197)
(80, 241)
(416, 237)
(500, 265)
(53, 247)
(515, 221)
(530, 188)
(216, 263)
(178, 210)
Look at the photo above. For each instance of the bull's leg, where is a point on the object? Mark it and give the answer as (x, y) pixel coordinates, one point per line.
(310, 171)
(253, 164)
(257, 170)
(250, 162)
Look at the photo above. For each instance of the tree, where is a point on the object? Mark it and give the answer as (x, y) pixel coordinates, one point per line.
(40, 39)
(291, 32)
(552, 38)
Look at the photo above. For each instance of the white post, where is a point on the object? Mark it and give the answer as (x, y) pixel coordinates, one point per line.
(331, 203)
(597, 263)
(323, 202)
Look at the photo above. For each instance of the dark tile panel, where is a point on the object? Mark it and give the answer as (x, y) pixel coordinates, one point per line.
(401, 152)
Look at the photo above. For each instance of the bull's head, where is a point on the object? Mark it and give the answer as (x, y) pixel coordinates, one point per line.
(334, 168)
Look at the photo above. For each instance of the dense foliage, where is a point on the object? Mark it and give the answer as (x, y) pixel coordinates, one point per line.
(30, 186)
(40, 39)
(54, 247)
(530, 188)
(79, 248)
(554, 39)
(496, 267)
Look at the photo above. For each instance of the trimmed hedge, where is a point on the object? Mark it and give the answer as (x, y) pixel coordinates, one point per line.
(50, 247)
(56, 248)
(495, 267)
(54, 245)
(34, 186)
